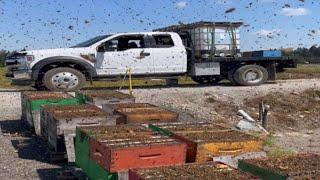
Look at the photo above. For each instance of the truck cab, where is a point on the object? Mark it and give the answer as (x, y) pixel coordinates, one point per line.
(144, 53)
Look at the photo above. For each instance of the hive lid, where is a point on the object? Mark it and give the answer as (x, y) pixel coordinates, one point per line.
(193, 171)
(131, 105)
(291, 165)
(105, 94)
(217, 137)
(38, 95)
(74, 111)
(146, 110)
(125, 136)
(190, 127)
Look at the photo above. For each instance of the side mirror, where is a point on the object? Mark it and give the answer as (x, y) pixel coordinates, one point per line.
(101, 48)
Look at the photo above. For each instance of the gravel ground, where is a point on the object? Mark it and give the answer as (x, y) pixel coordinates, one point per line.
(23, 156)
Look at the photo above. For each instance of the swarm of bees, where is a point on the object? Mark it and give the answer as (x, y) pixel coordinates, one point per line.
(64, 24)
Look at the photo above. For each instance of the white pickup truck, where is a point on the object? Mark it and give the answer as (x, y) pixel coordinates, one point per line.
(148, 54)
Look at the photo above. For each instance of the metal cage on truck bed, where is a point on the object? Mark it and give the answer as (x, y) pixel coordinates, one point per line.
(209, 39)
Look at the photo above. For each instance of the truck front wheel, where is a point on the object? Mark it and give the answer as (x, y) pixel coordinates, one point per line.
(64, 79)
(251, 75)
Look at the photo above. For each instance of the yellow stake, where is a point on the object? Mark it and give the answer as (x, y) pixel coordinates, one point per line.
(130, 82)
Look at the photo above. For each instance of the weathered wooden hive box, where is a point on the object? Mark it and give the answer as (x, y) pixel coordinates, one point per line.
(60, 124)
(206, 140)
(32, 101)
(144, 115)
(207, 171)
(100, 97)
(301, 166)
(111, 108)
(120, 148)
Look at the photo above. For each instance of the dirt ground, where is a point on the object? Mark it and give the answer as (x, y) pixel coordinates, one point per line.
(24, 156)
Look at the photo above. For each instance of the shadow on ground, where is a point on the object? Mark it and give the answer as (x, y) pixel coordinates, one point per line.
(27, 145)
(61, 174)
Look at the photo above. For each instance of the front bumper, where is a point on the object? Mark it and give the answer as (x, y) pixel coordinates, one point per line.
(19, 76)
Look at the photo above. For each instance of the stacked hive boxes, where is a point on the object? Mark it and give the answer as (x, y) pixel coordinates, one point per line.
(123, 147)
(31, 103)
(107, 149)
(59, 125)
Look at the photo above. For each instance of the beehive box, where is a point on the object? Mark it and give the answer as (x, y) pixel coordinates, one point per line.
(301, 166)
(100, 97)
(120, 148)
(144, 115)
(210, 171)
(110, 108)
(32, 101)
(60, 124)
(83, 161)
(203, 146)
(179, 127)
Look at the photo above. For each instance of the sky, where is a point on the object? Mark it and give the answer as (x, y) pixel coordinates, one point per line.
(41, 24)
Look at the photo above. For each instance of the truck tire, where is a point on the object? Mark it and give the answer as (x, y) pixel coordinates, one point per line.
(231, 77)
(251, 75)
(64, 79)
(207, 79)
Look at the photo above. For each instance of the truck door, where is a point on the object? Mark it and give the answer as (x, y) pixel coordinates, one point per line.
(168, 57)
(124, 52)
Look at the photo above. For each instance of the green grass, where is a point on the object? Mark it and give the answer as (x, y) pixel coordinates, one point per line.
(279, 152)
(137, 83)
(4, 82)
(305, 69)
(275, 150)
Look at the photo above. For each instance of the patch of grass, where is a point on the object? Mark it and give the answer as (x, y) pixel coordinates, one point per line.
(136, 83)
(304, 69)
(4, 82)
(274, 150)
(270, 141)
(279, 152)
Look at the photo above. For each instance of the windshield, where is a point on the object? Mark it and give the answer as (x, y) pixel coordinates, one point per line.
(91, 41)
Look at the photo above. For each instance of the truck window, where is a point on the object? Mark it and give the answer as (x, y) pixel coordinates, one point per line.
(163, 41)
(123, 43)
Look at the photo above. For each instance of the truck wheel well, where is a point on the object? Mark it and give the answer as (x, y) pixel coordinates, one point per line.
(50, 66)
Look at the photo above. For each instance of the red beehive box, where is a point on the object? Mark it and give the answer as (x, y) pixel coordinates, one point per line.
(119, 148)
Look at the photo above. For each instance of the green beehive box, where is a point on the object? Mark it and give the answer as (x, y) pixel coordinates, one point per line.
(91, 168)
(31, 103)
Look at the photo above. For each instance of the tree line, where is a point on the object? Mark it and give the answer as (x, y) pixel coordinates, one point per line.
(3, 54)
